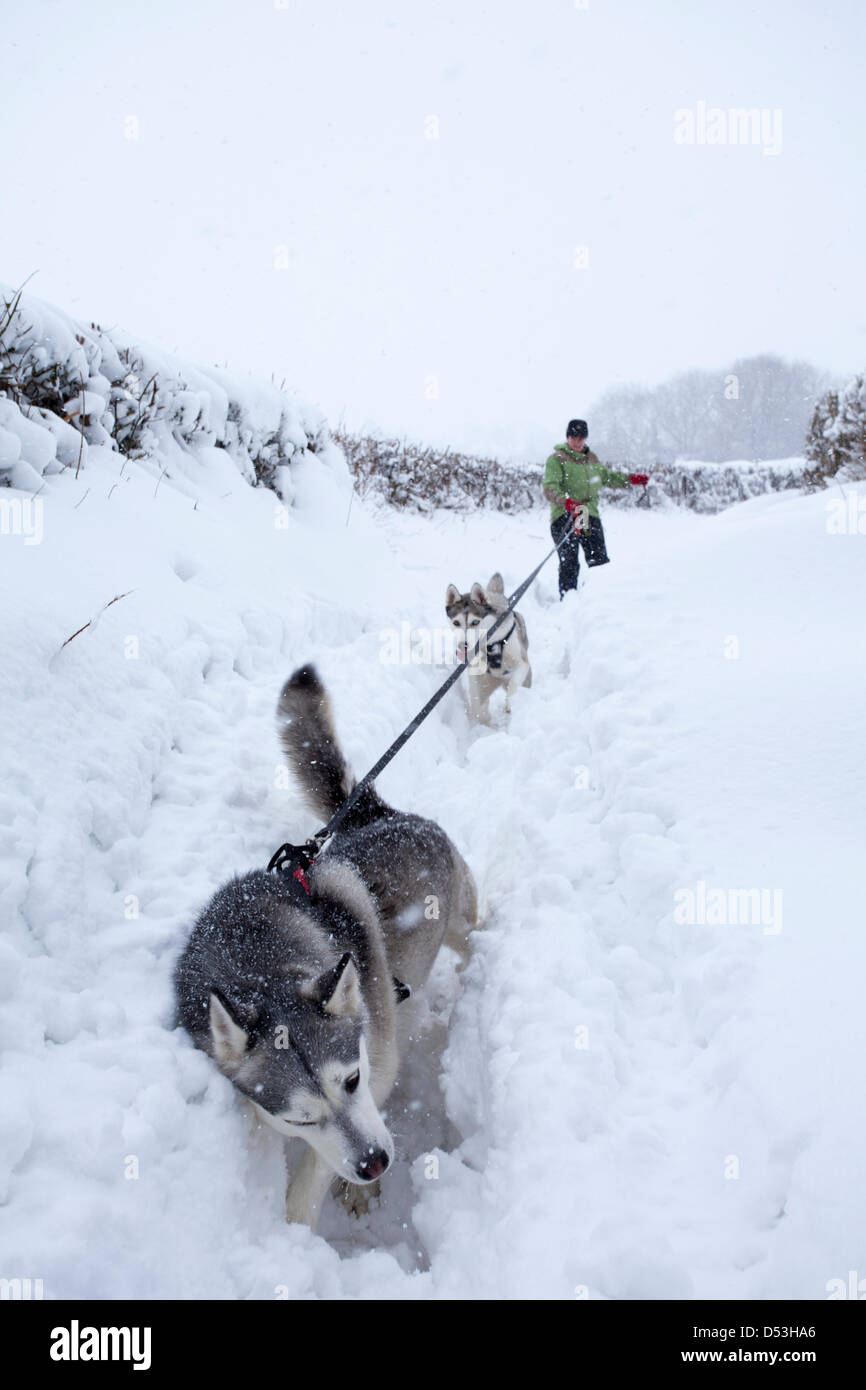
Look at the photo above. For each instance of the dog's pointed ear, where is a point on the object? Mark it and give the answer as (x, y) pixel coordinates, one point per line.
(497, 584)
(229, 1038)
(477, 594)
(452, 594)
(338, 990)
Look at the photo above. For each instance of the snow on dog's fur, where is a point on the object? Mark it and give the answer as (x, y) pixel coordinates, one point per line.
(293, 994)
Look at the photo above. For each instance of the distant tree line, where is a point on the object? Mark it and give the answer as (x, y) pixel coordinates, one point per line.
(758, 409)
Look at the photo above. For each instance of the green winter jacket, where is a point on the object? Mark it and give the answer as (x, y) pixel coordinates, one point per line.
(579, 476)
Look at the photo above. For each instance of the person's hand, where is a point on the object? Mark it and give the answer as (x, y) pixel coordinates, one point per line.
(638, 479)
(570, 506)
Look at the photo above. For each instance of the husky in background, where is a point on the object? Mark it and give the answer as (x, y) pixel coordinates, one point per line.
(297, 995)
(504, 662)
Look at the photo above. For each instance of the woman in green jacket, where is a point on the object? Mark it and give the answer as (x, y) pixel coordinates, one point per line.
(572, 479)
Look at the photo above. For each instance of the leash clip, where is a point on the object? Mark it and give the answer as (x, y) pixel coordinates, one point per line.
(295, 860)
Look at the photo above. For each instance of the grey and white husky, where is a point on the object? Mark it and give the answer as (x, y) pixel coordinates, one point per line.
(296, 995)
(502, 662)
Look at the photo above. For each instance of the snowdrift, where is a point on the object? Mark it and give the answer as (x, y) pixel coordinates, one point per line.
(66, 387)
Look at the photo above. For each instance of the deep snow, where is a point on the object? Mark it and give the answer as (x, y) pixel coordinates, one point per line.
(606, 1065)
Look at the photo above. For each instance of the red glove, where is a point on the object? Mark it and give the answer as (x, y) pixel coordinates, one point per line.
(638, 479)
(570, 505)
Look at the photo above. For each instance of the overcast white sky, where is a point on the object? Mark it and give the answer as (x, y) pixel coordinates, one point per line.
(305, 127)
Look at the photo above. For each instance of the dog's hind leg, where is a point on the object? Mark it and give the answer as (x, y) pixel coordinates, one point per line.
(464, 911)
(457, 938)
(308, 1190)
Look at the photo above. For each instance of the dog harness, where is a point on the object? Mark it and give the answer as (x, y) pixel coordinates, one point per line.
(496, 649)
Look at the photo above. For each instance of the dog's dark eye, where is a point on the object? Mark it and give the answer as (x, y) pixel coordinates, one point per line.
(351, 1082)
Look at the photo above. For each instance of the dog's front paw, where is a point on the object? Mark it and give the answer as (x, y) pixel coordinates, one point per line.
(356, 1197)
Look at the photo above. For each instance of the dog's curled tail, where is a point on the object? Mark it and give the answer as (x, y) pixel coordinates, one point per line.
(306, 728)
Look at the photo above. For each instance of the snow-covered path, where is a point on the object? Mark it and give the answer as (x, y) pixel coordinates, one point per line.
(636, 1106)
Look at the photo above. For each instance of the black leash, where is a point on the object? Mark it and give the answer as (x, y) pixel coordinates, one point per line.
(296, 859)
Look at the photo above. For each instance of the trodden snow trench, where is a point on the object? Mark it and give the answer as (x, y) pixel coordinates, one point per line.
(611, 1110)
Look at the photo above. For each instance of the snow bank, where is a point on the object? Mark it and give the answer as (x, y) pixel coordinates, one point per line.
(67, 386)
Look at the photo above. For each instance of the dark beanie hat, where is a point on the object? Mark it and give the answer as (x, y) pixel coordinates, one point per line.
(578, 427)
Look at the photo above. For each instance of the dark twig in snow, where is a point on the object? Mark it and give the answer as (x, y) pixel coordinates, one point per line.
(116, 599)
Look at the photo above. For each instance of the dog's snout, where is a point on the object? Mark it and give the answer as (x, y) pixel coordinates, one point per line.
(369, 1169)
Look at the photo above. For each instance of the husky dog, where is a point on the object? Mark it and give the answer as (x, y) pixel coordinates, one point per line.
(295, 991)
(502, 662)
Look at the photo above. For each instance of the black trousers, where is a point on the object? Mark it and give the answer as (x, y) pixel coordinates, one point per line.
(569, 552)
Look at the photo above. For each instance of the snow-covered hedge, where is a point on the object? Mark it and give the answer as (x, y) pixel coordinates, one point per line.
(419, 478)
(708, 487)
(67, 386)
(837, 435)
